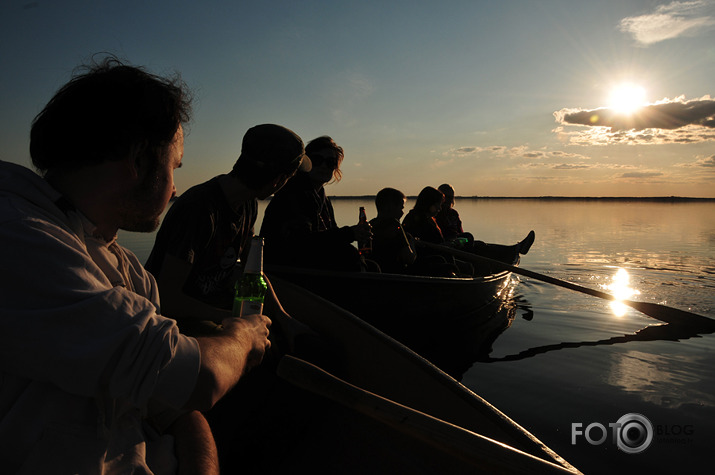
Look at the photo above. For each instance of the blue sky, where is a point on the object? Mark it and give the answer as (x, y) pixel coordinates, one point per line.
(506, 98)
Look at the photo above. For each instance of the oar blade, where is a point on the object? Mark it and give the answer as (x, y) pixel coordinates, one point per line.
(675, 316)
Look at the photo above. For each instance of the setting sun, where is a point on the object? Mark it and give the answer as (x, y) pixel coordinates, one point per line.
(626, 98)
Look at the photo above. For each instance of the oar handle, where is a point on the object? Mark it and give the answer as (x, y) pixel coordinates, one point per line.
(470, 256)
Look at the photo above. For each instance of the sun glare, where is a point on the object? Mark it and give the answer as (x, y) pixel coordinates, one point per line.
(621, 289)
(626, 98)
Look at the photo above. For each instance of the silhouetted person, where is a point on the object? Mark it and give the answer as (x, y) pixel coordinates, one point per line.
(421, 222)
(448, 218)
(392, 248)
(451, 225)
(210, 226)
(299, 224)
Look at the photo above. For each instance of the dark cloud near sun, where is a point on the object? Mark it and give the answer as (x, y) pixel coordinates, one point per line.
(676, 121)
(666, 115)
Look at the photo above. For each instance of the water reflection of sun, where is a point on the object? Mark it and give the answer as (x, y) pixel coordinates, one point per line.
(621, 289)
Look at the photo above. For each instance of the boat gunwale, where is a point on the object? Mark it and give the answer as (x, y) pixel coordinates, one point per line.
(405, 278)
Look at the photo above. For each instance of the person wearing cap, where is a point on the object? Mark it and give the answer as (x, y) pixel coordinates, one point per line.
(201, 237)
(209, 227)
(299, 224)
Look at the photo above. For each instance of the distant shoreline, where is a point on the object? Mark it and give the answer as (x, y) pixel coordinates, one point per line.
(652, 199)
(661, 199)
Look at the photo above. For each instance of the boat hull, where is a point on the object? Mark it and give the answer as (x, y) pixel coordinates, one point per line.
(418, 311)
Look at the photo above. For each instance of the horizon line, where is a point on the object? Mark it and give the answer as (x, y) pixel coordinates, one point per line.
(544, 197)
(552, 197)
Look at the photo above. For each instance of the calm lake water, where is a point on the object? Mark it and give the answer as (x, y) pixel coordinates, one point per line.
(569, 358)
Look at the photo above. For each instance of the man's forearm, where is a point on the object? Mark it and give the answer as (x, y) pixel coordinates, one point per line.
(194, 445)
(223, 362)
(228, 355)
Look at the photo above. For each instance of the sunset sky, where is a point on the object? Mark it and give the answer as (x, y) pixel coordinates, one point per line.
(507, 98)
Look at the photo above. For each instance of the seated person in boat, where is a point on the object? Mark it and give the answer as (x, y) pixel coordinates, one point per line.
(420, 220)
(210, 226)
(448, 218)
(94, 378)
(392, 248)
(299, 224)
(430, 231)
(194, 259)
(420, 223)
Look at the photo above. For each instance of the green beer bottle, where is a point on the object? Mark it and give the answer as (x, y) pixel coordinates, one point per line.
(251, 287)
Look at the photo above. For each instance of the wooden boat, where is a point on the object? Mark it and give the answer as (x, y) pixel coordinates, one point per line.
(405, 307)
(389, 410)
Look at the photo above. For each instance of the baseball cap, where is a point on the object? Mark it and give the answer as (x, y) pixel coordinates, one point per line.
(275, 146)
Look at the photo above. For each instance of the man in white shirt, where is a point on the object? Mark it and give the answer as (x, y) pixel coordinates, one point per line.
(94, 378)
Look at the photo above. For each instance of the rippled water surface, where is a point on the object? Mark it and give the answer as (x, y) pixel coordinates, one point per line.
(574, 361)
(569, 358)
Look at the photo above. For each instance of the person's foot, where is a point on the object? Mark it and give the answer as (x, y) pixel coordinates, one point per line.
(525, 245)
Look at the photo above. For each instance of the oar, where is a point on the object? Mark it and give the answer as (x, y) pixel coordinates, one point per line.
(474, 450)
(654, 310)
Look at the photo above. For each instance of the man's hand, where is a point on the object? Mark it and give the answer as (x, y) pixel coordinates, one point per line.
(228, 355)
(253, 330)
(362, 231)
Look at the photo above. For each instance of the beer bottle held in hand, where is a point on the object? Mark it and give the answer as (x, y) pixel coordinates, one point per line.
(251, 287)
(364, 246)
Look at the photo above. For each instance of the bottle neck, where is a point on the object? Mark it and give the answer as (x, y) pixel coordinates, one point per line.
(254, 263)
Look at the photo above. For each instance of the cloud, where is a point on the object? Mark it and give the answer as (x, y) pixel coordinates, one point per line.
(442, 163)
(667, 121)
(579, 166)
(707, 163)
(522, 151)
(641, 175)
(466, 150)
(664, 115)
(570, 166)
(670, 21)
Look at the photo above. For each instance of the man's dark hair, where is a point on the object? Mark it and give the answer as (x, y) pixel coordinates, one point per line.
(388, 196)
(105, 113)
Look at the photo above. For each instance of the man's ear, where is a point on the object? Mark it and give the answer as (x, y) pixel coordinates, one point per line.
(137, 160)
